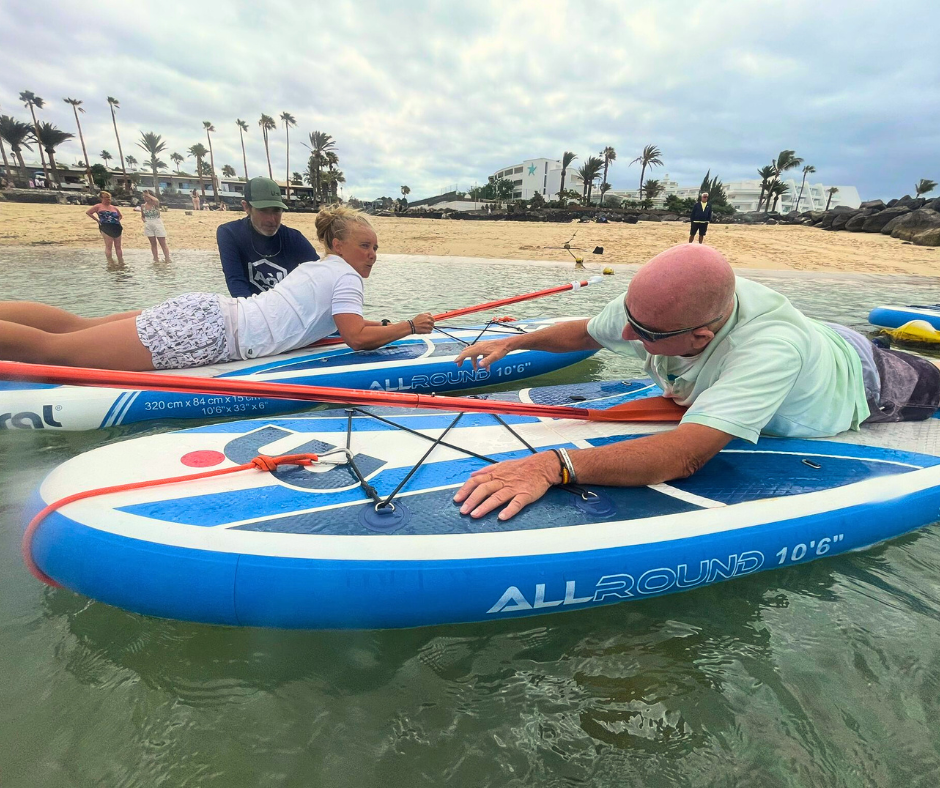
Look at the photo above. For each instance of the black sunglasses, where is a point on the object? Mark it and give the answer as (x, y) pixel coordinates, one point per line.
(654, 336)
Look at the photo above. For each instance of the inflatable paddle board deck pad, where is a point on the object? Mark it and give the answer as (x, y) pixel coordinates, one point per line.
(897, 316)
(420, 364)
(309, 547)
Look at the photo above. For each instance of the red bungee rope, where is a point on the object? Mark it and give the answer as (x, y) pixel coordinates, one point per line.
(262, 462)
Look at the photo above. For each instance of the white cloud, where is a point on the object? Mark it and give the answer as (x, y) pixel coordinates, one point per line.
(436, 93)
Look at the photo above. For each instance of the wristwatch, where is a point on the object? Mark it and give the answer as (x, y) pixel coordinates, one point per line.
(386, 321)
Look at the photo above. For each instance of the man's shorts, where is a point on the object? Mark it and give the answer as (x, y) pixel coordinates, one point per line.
(699, 227)
(910, 387)
(185, 331)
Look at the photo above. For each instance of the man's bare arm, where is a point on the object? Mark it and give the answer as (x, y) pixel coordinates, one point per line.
(630, 463)
(568, 337)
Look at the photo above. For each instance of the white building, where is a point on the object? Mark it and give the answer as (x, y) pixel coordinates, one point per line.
(539, 176)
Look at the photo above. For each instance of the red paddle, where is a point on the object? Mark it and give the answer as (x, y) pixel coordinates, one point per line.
(651, 409)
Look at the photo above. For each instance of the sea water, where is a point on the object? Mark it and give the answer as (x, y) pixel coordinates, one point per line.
(822, 674)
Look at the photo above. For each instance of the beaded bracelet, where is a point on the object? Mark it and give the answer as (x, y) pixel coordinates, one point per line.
(412, 324)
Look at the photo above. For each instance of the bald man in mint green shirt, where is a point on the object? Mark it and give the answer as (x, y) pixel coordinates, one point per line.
(738, 355)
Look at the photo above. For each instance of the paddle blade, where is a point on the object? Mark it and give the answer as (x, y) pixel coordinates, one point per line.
(651, 409)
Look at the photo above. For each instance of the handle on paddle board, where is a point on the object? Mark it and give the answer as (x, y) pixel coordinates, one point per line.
(490, 305)
(651, 409)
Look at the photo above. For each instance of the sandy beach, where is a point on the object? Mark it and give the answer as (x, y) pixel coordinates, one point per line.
(779, 247)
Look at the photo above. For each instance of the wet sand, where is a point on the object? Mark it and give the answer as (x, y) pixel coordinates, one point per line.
(777, 247)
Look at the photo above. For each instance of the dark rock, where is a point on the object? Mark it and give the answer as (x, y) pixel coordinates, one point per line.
(914, 223)
(816, 216)
(631, 218)
(929, 237)
(877, 222)
(670, 217)
(826, 223)
(856, 223)
(875, 205)
(892, 203)
(840, 219)
(842, 209)
(906, 200)
(934, 205)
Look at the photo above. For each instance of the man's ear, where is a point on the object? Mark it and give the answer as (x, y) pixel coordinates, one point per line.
(245, 206)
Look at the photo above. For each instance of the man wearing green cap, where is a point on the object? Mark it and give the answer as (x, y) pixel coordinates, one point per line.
(258, 252)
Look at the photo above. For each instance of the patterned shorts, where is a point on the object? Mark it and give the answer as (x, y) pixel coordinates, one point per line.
(186, 331)
(910, 387)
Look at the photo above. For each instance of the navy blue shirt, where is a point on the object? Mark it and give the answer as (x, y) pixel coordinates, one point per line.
(700, 214)
(252, 262)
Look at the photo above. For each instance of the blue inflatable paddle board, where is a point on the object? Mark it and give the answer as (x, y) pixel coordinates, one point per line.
(897, 316)
(420, 364)
(309, 547)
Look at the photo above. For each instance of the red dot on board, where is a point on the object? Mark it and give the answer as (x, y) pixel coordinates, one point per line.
(202, 459)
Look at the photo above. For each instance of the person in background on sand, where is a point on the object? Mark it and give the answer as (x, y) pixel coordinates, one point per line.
(195, 198)
(701, 216)
(257, 251)
(198, 329)
(153, 225)
(108, 217)
(737, 354)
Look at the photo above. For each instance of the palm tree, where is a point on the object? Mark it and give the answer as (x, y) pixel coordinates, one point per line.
(50, 138)
(228, 171)
(650, 157)
(297, 179)
(338, 178)
(31, 101)
(807, 170)
(198, 151)
(777, 189)
(177, 160)
(77, 107)
(106, 157)
(115, 104)
(131, 161)
(786, 160)
(566, 159)
(320, 144)
(207, 125)
(590, 170)
(18, 135)
(405, 191)
(154, 145)
(830, 191)
(925, 186)
(242, 128)
(653, 189)
(288, 120)
(267, 124)
(608, 155)
(6, 163)
(767, 176)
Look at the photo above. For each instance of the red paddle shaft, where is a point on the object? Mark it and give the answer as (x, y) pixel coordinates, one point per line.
(491, 304)
(653, 409)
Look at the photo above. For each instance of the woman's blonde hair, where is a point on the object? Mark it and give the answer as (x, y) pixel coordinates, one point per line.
(335, 221)
(104, 194)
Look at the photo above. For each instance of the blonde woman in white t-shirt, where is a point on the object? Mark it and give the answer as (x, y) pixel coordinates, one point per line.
(197, 329)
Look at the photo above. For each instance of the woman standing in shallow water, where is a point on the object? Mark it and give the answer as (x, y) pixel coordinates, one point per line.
(198, 329)
(108, 217)
(153, 225)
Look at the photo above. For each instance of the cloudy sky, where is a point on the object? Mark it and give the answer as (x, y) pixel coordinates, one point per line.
(442, 94)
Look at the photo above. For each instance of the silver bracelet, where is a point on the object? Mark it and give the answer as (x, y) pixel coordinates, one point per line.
(569, 466)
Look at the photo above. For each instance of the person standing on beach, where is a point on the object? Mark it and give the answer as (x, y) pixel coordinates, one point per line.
(257, 252)
(108, 217)
(195, 198)
(701, 216)
(153, 225)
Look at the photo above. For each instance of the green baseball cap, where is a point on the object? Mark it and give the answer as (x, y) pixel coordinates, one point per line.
(263, 193)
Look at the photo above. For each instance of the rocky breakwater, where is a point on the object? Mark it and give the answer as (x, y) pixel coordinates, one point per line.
(913, 220)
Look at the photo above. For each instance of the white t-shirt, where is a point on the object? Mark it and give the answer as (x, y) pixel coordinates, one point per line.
(769, 369)
(296, 312)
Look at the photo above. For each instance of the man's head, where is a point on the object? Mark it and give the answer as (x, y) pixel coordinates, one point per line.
(686, 291)
(704, 196)
(263, 205)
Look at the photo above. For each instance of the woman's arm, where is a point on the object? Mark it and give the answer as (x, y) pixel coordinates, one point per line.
(118, 212)
(361, 334)
(93, 212)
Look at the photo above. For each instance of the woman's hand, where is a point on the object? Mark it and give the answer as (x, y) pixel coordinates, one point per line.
(424, 323)
(482, 354)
